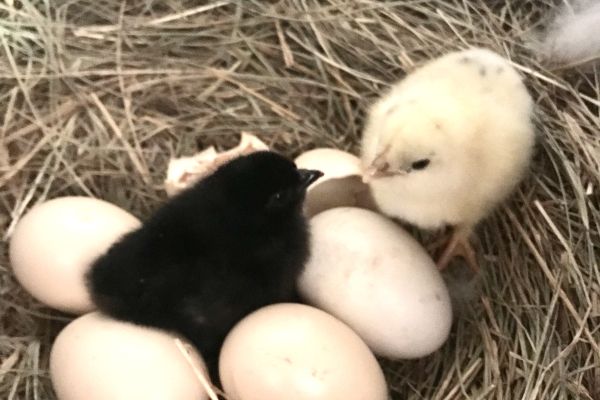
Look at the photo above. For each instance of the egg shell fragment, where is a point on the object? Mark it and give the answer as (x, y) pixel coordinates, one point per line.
(341, 184)
(184, 172)
(296, 352)
(98, 358)
(54, 244)
(371, 274)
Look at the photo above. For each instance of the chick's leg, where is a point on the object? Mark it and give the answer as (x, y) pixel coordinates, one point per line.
(459, 246)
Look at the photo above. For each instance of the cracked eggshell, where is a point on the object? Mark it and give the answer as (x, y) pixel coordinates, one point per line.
(340, 186)
(55, 243)
(185, 171)
(99, 358)
(371, 274)
(296, 352)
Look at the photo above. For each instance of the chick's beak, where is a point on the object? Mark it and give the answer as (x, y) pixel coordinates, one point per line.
(308, 176)
(372, 173)
(375, 171)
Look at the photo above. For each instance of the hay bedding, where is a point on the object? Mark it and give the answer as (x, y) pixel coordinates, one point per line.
(97, 95)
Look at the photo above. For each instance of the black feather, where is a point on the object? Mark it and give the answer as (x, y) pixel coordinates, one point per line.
(232, 243)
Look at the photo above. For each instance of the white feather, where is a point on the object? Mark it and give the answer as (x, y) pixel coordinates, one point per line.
(573, 38)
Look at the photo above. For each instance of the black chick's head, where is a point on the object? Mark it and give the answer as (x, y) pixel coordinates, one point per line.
(267, 182)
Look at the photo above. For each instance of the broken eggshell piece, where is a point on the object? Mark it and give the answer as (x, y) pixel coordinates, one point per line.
(185, 171)
(341, 184)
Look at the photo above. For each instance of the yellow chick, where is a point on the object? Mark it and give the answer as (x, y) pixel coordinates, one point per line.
(448, 143)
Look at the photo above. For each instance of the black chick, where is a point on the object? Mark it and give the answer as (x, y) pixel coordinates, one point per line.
(232, 243)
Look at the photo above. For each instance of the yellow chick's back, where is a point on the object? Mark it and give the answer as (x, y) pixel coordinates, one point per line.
(450, 141)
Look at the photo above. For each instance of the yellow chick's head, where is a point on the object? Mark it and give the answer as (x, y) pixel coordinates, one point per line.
(416, 138)
(417, 152)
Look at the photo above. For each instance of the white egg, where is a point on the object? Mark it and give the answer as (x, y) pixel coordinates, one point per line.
(341, 184)
(371, 274)
(98, 358)
(296, 352)
(54, 244)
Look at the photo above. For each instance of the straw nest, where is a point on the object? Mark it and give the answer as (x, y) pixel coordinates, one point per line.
(97, 95)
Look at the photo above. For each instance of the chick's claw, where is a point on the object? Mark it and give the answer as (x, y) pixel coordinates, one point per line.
(458, 246)
(439, 242)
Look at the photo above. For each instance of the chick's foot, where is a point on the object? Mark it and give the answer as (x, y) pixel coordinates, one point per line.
(458, 245)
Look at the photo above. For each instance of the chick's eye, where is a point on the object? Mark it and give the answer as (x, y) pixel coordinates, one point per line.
(276, 199)
(420, 164)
